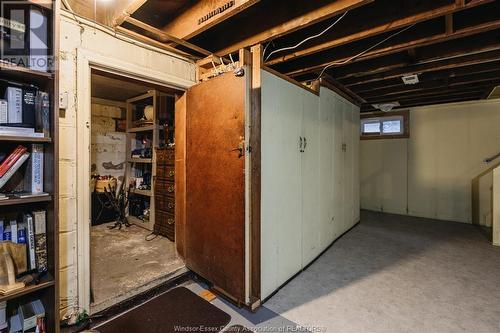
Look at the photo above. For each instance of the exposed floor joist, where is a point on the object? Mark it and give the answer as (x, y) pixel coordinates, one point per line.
(203, 15)
(453, 45)
(119, 15)
(165, 37)
(370, 31)
(398, 47)
(272, 19)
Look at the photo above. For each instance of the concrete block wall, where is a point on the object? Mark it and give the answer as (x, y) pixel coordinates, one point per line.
(108, 147)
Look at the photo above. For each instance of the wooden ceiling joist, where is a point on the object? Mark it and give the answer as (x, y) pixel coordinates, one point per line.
(203, 15)
(372, 31)
(121, 14)
(438, 84)
(293, 23)
(465, 32)
(152, 42)
(430, 76)
(426, 93)
(456, 62)
(332, 84)
(165, 37)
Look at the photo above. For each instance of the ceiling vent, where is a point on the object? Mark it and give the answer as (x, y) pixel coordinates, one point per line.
(386, 107)
(410, 79)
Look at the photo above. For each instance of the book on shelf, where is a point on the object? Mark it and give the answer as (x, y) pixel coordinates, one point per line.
(20, 131)
(28, 219)
(28, 106)
(10, 172)
(29, 314)
(42, 118)
(8, 162)
(7, 234)
(39, 218)
(21, 232)
(4, 112)
(33, 179)
(13, 231)
(14, 96)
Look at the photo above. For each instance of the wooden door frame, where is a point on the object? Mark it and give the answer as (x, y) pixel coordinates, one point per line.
(86, 61)
(256, 63)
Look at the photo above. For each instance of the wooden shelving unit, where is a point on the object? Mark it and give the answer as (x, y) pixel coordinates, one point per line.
(25, 201)
(48, 289)
(24, 139)
(151, 130)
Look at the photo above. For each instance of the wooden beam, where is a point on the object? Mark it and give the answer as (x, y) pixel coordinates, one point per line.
(397, 81)
(465, 32)
(203, 15)
(255, 174)
(390, 26)
(439, 101)
(153, 42)
(332, 84)
(456, 62)
(449, 24)
(324, 12)
(425, 93)
(438, 84)
(165, 36)
(444, 99)
(119, 15)
(430, 99)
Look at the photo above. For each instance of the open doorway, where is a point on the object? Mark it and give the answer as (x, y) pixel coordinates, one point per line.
(132, 137)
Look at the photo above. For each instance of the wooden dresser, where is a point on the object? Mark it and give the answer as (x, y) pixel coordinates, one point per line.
(165, 193)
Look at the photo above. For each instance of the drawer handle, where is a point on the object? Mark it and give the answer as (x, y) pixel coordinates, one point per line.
(171, 205)
(171, 188)
(170, 221)
(171, 173)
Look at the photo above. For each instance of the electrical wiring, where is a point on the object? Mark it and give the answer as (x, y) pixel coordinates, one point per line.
(307, 39)
(367, 50)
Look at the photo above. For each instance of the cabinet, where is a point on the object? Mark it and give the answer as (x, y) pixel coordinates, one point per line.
(164, 187)
(309, 176)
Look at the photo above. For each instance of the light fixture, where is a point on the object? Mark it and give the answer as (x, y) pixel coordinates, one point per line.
(386, 107)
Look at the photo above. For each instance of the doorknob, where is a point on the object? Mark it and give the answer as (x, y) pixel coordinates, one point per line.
(240, 148)
(305, 144)
(300, 145)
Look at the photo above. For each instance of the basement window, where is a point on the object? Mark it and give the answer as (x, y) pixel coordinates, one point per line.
(390, 125)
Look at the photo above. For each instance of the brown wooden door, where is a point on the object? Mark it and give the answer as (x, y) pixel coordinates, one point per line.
(215, 183)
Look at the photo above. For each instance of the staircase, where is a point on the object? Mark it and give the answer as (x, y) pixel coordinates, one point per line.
(494, 171)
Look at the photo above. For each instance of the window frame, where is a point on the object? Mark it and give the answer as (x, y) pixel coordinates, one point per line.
(381, 117)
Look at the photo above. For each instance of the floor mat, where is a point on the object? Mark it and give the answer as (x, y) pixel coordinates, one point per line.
(178, 310)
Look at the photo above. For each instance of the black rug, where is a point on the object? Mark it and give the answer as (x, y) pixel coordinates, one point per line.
(177, 311)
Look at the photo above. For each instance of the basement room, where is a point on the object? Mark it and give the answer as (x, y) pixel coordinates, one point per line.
(250, 166)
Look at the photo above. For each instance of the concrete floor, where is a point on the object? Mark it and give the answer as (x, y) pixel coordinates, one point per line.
(389, 274)
(399, 274)
(124, 264)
